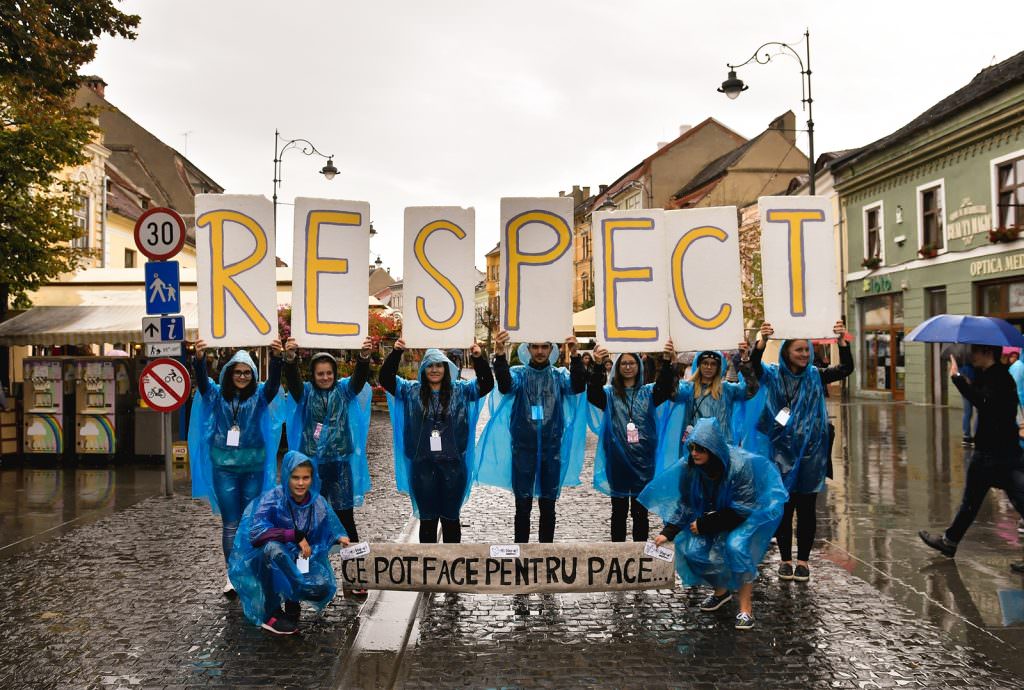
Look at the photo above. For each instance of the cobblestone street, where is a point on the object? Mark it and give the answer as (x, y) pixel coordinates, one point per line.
(133, 600)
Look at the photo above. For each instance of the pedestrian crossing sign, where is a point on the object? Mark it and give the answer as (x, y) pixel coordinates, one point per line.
(163, 287)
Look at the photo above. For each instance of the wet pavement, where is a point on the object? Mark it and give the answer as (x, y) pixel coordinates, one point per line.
(113, 589)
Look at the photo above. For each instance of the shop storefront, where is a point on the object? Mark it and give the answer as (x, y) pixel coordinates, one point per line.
(882, 364)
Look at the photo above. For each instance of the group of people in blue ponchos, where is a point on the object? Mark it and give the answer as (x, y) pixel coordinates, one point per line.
(725, 456)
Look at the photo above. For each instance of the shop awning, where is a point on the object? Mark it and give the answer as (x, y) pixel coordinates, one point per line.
(583, 322)
(82, 325)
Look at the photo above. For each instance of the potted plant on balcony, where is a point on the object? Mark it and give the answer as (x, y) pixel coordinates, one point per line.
(871, 262)
(1008, 234)
(928, 251)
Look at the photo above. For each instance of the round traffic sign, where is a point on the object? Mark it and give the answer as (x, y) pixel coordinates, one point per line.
(160, 233)
(164, 384)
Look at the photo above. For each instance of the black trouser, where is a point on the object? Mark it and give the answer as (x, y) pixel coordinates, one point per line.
(546, 532)
(641, 524)
(806, 525)
(348, 521)
(984, 471)
(451, 531)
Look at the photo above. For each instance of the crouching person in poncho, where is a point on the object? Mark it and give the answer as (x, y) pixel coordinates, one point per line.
(721, 506)
(280, 553)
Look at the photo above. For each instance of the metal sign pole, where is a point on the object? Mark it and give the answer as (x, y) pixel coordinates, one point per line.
(168, 456)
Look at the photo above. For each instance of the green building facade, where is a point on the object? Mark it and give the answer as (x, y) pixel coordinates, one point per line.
(932, 214)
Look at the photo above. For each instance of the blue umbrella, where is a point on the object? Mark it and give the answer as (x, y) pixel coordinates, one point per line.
(976, 330)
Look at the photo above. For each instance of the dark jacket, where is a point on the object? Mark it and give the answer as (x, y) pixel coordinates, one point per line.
(994, 394)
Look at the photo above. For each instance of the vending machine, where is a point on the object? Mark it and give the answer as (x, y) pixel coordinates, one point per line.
(102, 404)
(43, 401)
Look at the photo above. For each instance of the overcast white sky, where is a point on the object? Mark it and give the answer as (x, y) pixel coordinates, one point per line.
(452, 102)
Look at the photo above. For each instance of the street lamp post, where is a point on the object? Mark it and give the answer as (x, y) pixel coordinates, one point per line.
(733, 86)
(307, 148)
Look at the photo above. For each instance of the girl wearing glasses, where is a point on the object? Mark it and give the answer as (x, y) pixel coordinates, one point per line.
(628, 436)
(232, 439)
(721, 505)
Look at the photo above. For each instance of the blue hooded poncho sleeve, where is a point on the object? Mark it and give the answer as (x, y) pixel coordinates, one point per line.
(750, 486)
(800, 448)
(263, 585)
(728, 408)
(549, 387)
(346, 424)
(410, 433)
(211, 418)
(622, 468)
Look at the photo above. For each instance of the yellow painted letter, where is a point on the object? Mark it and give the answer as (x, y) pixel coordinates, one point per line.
(796, 219)
(517, 258)
(223, 277)
(614, 275)
(678, 289)
(315, 265)
(419, 249)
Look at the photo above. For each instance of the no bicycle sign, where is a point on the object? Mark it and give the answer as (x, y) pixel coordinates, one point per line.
(164, 385)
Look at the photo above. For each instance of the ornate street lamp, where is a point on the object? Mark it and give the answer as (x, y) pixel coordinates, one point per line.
(733, 86)
(307, 148)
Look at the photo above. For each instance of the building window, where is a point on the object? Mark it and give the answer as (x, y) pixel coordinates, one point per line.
(129, 258)
(632, 202)
(873, 236)
(882, 363)
(1010, 194)
(931, 226)
(82, 220)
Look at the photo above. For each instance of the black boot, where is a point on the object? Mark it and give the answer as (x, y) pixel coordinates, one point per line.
(939, 543)
(292, 611)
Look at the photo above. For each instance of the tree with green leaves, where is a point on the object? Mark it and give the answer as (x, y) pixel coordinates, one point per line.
(43, 44)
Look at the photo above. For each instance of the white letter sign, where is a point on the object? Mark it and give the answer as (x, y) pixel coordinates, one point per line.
(440, 279)
(706, 305)
(237, 285)
(630, 280)
(536, 266)
(798, 266)
(330, 282)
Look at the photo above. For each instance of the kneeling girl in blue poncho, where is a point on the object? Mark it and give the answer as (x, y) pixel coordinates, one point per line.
(721, 505)
(232, 439)
(280, 553)
(628, 431)
(329, 424)
(433, 422)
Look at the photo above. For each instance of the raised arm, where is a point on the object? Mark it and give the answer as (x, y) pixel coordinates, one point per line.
(502, 374)
(362, 370)
(484, 376)
(291, 370)
(595, 386)
(389, 369)
(663, 388)
(202, 378)
(273, 383)
(577, 372)
(845, 367)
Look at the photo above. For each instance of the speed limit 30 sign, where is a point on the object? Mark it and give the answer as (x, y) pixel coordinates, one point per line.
(164, 384)
(160, 233)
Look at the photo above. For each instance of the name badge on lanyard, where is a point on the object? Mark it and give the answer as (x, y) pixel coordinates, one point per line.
(234, 437)
(537, 413)
(316, 431)
(632, 433)
(782, 418)
(435, 441)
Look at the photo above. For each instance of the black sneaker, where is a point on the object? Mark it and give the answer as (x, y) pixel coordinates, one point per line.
(1017, 567)
(713, 602)
(279, 624)
(357, 593)
(786, 571)
(939, 543)
(801, 573)
(744, 621)
(1020, 527)
(967, 441)
(292, 611)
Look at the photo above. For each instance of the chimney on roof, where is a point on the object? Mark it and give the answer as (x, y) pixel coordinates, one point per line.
(96, 84)
(601, 189)
(683, 129)
(786, 124)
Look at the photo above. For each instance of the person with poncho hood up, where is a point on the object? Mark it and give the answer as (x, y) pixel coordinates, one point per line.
(533, 443)
(792, 430)
(281, 549)
(721, 505)
(433, 423)
(628, 432)
(713, 390)
(329, 424)
(232, 438)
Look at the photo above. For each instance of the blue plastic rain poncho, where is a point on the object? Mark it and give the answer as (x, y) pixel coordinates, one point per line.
(344, 421)
(727, 408)
(749, 485)
(528, 456)
(262, 565)
(212, 417)
(437, 482)
(622, 468)
(799, 449)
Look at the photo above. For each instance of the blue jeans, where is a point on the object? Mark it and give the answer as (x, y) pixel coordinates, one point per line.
(280, 559)
(968, 428)
(235, 490)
